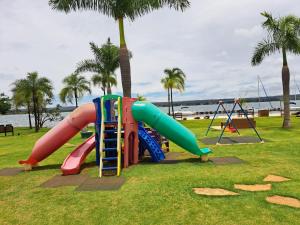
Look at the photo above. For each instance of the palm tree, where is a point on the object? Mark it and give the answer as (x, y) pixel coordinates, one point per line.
(174, 79)
(119, 10)
(283, 36)
(75, 87)
(22, 97)
(105, 63)
(141, 98)
(166, 84)
(106, 82)
(36, 89)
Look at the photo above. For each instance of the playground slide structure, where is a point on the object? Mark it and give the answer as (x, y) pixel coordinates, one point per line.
(74, 160)
(60, 134)
(147, 142)
(85, 114)
(167, 126)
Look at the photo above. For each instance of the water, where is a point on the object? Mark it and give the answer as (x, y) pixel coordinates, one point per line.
(21, 120)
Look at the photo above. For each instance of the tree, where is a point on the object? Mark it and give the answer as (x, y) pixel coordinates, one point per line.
(119, 10)
(5, 104)
(104, 65)
(75, 87)
(106, 82)
(38, 90)
(22, 97)
(174, 79)
(283, 37)
(141, 98)
(50, 115)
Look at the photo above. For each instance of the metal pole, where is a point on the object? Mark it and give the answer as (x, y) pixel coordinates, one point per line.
(216, 112)
(227, 122)
(250, 123)
(231, 120)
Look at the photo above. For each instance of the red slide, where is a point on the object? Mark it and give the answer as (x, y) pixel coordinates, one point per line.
(60, 134)
(73, 162)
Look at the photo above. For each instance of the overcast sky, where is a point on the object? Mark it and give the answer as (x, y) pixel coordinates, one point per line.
(211, 42)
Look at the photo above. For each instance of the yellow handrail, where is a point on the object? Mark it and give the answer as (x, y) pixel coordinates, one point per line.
(101, 138)
(119, 137)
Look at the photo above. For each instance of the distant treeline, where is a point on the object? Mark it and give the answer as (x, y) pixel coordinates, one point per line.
(186, 103)
(226, 100)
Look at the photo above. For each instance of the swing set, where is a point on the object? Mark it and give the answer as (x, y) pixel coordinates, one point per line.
(229, 120)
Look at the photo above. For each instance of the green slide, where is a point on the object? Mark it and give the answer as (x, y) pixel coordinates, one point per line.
(167, 126)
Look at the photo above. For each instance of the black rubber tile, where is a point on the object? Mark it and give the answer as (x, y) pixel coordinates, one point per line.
(11, 171)
(103, 184)
(231, 140)
(60, 181)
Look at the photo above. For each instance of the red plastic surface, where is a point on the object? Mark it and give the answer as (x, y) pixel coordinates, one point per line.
(73, 162)
(131, 140)
(61, 133)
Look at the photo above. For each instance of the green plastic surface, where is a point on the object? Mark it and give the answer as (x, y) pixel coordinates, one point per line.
(167, 126)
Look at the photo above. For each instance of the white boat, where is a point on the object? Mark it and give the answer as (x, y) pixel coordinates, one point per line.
(295, 108)
(185, 113)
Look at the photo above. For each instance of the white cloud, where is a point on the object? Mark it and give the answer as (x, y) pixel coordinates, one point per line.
(252, 32)
(200, 41)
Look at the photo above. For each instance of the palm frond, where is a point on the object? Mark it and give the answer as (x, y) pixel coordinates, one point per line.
(118, 8)
(263, 49)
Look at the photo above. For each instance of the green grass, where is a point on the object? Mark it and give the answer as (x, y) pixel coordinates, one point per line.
(156, 193)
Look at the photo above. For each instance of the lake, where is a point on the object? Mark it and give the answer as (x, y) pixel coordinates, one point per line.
(21, 120)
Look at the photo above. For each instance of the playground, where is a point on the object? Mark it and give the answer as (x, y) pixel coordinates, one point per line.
(159, 193)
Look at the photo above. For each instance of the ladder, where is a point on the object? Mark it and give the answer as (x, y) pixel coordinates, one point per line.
(110, 140)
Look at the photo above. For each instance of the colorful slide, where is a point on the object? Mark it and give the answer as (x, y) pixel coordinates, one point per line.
(60, 134)
(85, 114)
(147, 142)
(73, 162)
(167, 126)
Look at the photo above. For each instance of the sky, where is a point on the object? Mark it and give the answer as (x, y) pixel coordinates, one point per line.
(212, 42)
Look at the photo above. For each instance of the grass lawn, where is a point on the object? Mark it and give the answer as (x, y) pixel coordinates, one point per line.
(159, 193)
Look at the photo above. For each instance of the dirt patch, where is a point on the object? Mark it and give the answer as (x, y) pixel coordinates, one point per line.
(104, 184)
(226, 160)
(214, 192)
(281, 200)
(172, 155)
(11, 171)
(274, 178)
(254, 187)
(60, 181)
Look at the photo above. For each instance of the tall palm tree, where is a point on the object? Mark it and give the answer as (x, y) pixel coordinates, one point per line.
(283, 36)
(38, 89)
(105, 82)
(22, 97)
(105, 63)
(166, 84)
(119, 10)
(75, 87)
(174, 80)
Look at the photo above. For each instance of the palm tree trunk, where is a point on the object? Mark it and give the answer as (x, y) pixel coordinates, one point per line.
(29, 115)
(169, 108)
(36, 124)
(286, 92)
(76, 98)
(172, 103)
(109, 92)
(124, 62)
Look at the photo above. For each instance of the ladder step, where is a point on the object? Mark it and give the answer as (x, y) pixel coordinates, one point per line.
(110, 168)
(109, 149)
(110, 139)
(110, 131)
(111, 122)
(110, 158)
